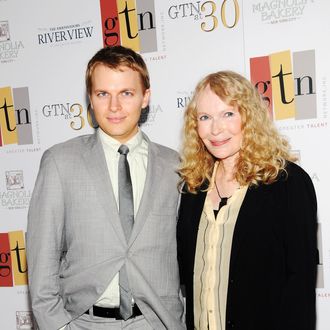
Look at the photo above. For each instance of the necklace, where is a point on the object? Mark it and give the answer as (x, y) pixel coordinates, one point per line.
(223, 200)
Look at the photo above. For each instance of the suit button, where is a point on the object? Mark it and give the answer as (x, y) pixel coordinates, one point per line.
(230, 324)
(231, 281)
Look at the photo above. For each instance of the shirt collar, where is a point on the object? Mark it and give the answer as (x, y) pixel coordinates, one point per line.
(112, 144)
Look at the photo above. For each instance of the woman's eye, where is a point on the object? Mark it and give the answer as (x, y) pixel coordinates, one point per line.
(203, 117)
(229, 114)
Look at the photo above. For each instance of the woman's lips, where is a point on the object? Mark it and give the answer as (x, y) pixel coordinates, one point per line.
(219, 143)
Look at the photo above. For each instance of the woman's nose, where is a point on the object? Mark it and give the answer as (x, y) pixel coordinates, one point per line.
(217, 126)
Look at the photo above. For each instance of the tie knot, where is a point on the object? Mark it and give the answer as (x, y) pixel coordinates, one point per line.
(123, 149)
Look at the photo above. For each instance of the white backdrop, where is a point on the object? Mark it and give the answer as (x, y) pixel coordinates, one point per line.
(44, 49)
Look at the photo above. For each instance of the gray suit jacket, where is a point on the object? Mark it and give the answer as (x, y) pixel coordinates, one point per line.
(75, 242)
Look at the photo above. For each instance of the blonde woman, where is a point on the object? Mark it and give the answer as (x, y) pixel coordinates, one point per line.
(247, 225)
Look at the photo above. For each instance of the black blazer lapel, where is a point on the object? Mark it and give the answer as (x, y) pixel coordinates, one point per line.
(251, 205)
(191, 208)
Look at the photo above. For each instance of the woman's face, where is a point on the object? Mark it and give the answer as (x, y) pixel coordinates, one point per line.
(219, 126)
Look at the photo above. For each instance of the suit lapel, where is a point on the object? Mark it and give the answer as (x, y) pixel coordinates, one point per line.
(97, 167)
(150, 189)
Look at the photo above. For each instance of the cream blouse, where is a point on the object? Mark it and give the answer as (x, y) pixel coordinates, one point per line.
(212, 260)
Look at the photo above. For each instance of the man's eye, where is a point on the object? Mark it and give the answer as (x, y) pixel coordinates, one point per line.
(127, 93)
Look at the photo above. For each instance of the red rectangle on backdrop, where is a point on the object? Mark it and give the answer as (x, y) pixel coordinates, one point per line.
(6, 276)
(110, 23)
(261, 78)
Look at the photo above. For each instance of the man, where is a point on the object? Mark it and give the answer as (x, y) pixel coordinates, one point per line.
(100, 255)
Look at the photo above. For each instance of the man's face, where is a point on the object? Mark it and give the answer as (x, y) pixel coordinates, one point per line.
(117, 98)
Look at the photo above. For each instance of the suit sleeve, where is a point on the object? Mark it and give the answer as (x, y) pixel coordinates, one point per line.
(184, 236)
(179, 240)
(44, 246)
(298, 307)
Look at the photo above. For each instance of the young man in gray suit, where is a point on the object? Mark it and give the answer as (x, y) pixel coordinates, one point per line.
(92, 265)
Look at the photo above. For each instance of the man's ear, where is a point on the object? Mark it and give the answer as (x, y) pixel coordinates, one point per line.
(91, 116)
(146, 98)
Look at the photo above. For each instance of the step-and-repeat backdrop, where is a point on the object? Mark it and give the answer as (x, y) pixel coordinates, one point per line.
(280, 45)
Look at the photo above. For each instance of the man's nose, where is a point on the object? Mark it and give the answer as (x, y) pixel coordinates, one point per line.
(114, 104)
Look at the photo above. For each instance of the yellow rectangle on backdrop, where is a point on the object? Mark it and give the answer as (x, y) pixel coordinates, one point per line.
(7, 117)
(128, 22)
(282, 85)
(18, 257)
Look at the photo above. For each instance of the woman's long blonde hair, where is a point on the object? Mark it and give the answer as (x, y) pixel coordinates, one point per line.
(264, 151)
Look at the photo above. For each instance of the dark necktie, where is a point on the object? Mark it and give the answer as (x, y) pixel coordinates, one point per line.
(126, 213)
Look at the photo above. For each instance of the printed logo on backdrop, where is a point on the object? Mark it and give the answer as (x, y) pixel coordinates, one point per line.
(9, 49)
(279, 11)
(321, 284)
(320, 270)
(209, 15)
(65, 34)
(15, 196)
(287, 82)
(13, 266)
(183, 98)
(24, 320)
(15, 116)
(150, 114)
(72, 112)
(130, 23)
(4, 31)
(14, 180)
